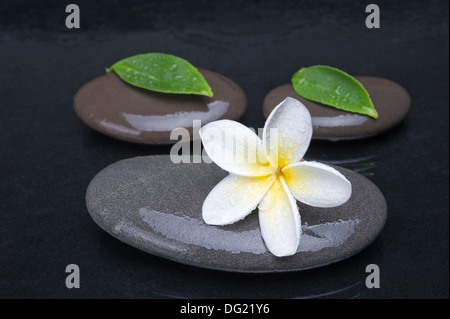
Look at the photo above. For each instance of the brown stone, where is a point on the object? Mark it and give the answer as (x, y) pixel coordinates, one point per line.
(112, 107)
(391, 101)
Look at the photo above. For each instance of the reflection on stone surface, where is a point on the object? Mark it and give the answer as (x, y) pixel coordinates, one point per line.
(168, 122)
(193, 231)
(318, 237)
(338, 121)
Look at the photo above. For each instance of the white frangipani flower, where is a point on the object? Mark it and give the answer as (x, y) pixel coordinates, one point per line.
(269, 174)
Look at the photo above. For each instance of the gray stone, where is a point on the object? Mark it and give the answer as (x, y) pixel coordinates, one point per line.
(155, 205)
(391, 101)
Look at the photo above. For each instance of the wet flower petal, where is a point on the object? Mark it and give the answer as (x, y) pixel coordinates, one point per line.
(317, 184)
(234, 198)
(235, 148)
(287, 133)
(279, 220)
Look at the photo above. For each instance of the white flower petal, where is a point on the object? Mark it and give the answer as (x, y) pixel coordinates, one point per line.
(317, 184)
(289, 126)
(279, 220)
(235, 148)
(234, 198)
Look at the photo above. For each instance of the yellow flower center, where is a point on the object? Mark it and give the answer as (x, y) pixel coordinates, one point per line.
(276, 177)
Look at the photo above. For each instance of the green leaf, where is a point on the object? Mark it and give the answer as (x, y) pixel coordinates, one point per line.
(162, 73)
(333, 87)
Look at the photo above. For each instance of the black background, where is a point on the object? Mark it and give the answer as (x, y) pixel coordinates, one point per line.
(48, 156)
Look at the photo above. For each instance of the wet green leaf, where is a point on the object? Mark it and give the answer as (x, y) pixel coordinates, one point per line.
(162, 73)
(333, 87)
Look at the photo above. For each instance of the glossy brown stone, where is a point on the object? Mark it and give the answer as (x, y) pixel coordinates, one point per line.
(391, 101)
(112, 107)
